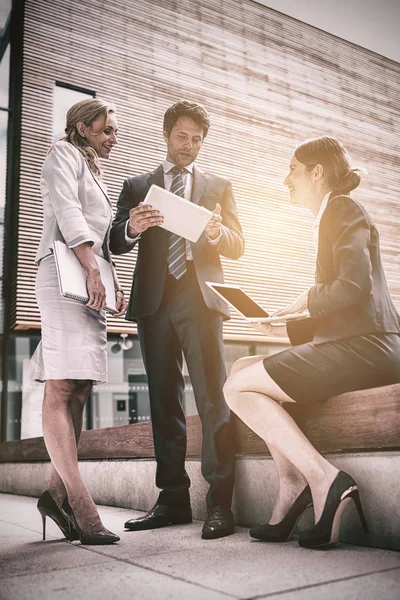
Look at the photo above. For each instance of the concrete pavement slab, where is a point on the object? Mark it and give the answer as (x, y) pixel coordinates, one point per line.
(174, 562)
(22, 550)
(22, 511)
(24, 557)
(112, 581)
(383, 586)
(138, 544)
(31, 523)
(18, 509)
(257, 568)
(11, 533)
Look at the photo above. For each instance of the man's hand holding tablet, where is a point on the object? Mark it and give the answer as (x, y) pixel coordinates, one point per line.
(141, 218)
(180, 216)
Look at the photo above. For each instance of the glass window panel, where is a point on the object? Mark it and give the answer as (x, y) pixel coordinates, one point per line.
(4, 84)
(1, 297)
(1, 248)
(123, 400)
(64, 98)
(3, 162)
(4, 78)
(24, 398)
(233, 352)
(5, 9)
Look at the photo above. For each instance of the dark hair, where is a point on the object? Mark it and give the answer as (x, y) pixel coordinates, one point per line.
(331, 154)
(185, 108)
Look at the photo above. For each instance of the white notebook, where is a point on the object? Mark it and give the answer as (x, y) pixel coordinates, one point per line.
(72, 276)
(180, 216)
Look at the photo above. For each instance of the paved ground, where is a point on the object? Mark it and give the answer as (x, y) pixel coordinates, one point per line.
(174, 563)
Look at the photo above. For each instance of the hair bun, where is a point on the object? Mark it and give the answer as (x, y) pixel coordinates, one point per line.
(349, 182)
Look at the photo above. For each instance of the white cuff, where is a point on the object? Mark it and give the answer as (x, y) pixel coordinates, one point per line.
(128, 239)
(216, 240)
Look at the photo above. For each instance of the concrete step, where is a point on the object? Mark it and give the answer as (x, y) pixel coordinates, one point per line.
(130, 484)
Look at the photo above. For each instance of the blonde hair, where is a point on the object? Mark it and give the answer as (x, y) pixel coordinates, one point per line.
(86, 111)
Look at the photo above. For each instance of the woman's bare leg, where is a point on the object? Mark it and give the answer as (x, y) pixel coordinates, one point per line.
(60, 438)
(254, 396)
(246, 361)
(78, 401)
(290, 481)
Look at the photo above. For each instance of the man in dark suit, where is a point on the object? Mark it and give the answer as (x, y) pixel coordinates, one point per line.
(178, 314)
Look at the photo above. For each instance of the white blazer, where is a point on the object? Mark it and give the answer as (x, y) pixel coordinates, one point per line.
(75, 203)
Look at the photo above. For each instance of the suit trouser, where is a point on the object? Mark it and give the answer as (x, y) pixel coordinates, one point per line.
(184, 323)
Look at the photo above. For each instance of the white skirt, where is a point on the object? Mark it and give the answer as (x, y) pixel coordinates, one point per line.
(74, 337)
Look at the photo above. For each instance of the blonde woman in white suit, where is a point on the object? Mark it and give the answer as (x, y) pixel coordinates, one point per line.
(72, 355)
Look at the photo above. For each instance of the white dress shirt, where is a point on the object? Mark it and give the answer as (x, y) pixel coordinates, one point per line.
(187, 177)
(317, 221)
(318, 218)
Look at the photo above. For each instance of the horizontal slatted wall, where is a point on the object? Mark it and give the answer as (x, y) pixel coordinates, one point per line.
(268, 81)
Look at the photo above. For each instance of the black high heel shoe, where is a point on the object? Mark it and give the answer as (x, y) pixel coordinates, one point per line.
(92, 539)
(326, 531)
(283, 531)
(48, 508)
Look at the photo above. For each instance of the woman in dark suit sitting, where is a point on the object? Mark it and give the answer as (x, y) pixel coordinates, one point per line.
(355, 345)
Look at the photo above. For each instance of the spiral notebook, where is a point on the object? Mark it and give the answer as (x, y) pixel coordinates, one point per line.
(72, 276)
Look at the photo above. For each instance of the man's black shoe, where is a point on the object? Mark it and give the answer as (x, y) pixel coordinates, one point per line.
(161, 516)
(219, 523)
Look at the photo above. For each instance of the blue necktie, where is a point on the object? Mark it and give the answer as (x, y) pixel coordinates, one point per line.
(177, 244)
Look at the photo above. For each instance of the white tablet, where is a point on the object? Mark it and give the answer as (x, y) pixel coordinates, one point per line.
(180, 216)
(239, 300)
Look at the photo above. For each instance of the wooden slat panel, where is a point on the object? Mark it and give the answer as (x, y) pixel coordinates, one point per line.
(268, 81)
(127, 441)
(363, 420)
(356, 421)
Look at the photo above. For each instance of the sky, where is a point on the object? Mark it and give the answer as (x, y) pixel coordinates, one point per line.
(372, 24)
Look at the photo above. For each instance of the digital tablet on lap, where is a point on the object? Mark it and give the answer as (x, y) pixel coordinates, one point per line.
(238, 299)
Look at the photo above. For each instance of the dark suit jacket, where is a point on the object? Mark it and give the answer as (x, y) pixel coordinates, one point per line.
(151, 267)
(350, 296)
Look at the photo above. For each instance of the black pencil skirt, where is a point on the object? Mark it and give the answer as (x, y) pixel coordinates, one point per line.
(311, 373)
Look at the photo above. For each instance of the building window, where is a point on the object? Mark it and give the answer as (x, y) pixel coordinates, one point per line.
(5, 10)
(4, 91)
(65, 96)
(124, 400)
